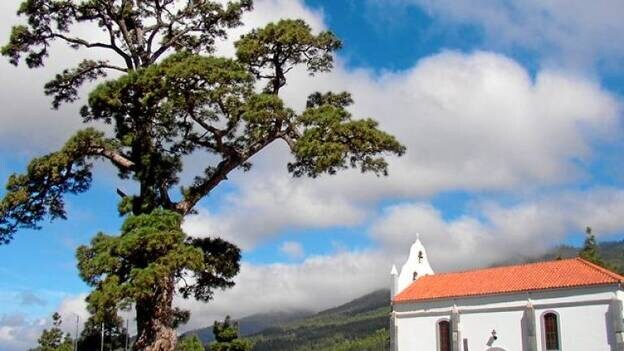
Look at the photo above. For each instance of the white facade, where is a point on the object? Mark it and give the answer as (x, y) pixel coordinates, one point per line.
(589, 319)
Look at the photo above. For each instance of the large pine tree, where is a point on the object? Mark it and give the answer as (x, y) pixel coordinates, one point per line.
(172, 98)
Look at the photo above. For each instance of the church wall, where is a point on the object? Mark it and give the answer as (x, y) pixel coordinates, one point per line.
(417, 333)
(581, 327)
(583, 312)
(477, 329)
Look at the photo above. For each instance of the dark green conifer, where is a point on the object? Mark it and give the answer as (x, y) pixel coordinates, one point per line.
(226, 336)
(172, 98)
(590, 250)
(190, 343)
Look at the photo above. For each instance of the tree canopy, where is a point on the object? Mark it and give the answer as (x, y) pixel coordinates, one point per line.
(188, 103)
(172, 97)
(151, 255)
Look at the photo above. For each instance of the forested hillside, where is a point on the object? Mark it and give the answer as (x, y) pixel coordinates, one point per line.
(254, 323)
(612, 253)
(358, 325)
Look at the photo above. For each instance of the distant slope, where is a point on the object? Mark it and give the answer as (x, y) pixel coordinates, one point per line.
(358, 325)
(254, 323)
(612, 252)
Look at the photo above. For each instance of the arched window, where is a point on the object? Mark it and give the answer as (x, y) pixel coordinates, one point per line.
(444, 336)
(551, 331)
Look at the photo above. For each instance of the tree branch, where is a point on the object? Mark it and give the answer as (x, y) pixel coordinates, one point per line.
(116, 158)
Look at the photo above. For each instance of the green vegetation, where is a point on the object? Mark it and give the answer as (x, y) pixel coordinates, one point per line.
(358, 325)
(254, 323)
(592, 253)
(226, 336)
(609, 254)
(112, 265)
(54, 339)
(114, 334)
(379, 341)
(190, 343)
(172, 98)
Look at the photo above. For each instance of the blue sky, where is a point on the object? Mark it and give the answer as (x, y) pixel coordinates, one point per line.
(510, 111)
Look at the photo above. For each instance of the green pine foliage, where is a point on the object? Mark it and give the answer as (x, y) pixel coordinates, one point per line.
(226, 337)
(54, 339)
(114, 333)
(137, 266)
(590, 251)
(190, 343)
(378, 341)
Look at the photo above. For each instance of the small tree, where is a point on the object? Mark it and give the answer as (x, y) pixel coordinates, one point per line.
(54, 339)
(190, 343)
(590, 250)
(114, 334)
(226, 336)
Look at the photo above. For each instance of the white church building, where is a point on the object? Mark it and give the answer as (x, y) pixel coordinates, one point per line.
(563, 305)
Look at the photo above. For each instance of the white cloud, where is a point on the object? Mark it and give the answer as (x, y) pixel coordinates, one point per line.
(264, 208)
(319, 282)
(494, 233)
(70, 308)
(292, 249)
(19, 332)
(572, 33)
(472, 122)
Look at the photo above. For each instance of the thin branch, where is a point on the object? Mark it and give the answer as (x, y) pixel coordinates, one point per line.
(289, 141)
(121, 193)
(115, 157)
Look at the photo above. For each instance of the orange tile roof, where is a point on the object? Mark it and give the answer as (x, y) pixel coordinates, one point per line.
(567, 273)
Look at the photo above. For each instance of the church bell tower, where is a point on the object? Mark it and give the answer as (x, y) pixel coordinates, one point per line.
(416, 266)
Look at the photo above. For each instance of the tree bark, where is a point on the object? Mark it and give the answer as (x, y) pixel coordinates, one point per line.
(154, 319)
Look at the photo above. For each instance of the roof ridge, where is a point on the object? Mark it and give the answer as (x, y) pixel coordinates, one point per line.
(506, 266)
(544, 275)
(602, 270)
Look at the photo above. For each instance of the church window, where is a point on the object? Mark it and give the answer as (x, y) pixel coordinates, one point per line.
(444, 336)
(551, 331)
(415, 275)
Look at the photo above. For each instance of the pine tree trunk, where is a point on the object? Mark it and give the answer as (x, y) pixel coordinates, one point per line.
(154, 318)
